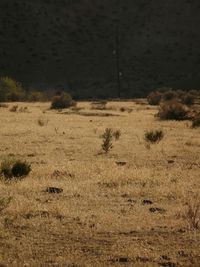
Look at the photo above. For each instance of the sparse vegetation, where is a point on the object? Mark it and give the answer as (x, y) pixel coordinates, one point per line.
(64, 100)
(81, 193)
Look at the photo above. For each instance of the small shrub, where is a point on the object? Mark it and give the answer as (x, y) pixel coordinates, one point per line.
(14, 108)
(196, 122)
(169, 95)
(154, 136)
(10, 90)
(107, 140)
(6, 168)
(42, 122)
(172, 111)
(2, 105)
(188, 99)
(20, 169)
(154, 98)
(10, 169)
(23, 109)
(64, 100)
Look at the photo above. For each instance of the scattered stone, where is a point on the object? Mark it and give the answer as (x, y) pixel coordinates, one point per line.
(158, 210)
(170, 161)
(120, 163)
(54, 190)
(130, 200)
(165, 257)
(168, 264)
(147, 202)
(121, 259)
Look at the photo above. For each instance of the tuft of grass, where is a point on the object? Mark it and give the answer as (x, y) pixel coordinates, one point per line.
(192, 214)
(154, 136)
(117, 135)
(16, 168)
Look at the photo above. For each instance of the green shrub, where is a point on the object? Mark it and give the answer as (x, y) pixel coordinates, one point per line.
(154, 98)
(196, 122)
(154, 136)
(10, 90)
(17, 168)
(64, 100)
(173, 110)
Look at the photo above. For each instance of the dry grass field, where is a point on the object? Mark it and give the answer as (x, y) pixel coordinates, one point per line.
(125, 208)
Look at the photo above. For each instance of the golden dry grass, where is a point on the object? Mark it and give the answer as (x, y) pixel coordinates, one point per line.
(100, 218)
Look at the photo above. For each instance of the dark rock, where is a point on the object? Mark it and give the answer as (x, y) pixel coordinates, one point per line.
(120, 163)
(158, 210)
(168, 264)
(147, 202)
(54, 190)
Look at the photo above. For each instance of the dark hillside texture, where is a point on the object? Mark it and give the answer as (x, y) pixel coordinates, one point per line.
(70, 44)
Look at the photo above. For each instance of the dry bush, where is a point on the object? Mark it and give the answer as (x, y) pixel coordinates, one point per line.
(64, 100)
(154, 98)
(42, 122)
(107, 140)
(14, 168)
(14, 108)
(117, 134)
(154, 136)
(188, 99)
(196, 122)
(2, 105)
(169, 95)
(173, 110)
(23, 109)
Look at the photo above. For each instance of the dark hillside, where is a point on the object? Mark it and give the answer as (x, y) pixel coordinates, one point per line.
(71, 43)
